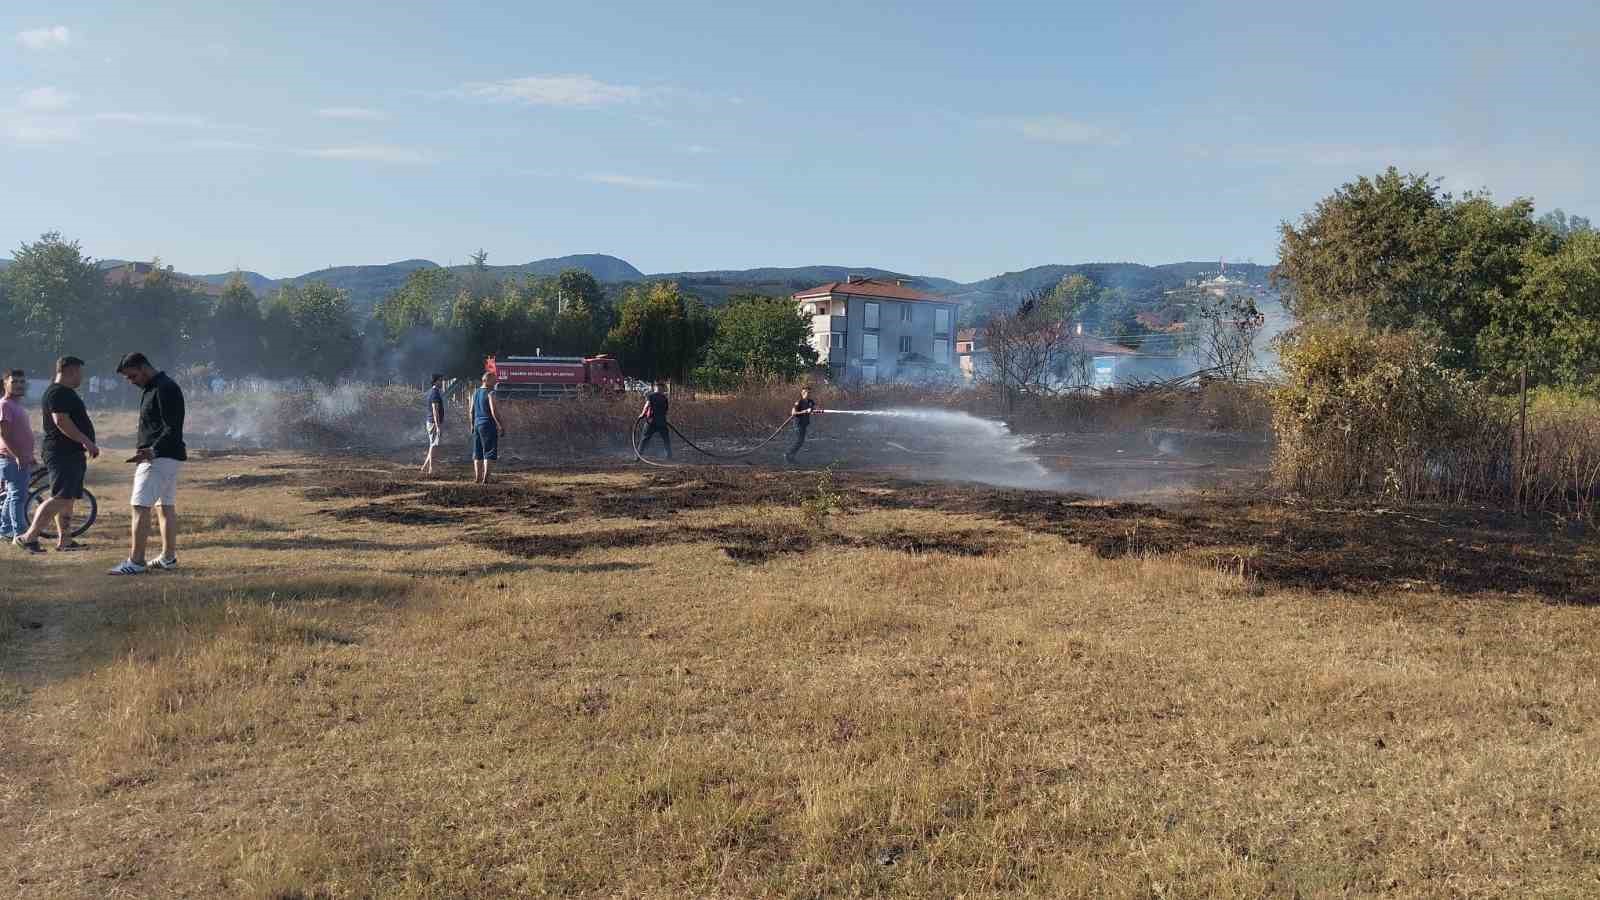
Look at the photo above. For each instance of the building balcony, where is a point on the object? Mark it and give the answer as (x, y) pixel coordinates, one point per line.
(825, 324)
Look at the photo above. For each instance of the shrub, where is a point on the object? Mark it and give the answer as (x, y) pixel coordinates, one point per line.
(1365, 411)
(1373, 412)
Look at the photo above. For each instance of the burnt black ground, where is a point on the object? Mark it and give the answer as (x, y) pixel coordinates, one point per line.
(1348, 547)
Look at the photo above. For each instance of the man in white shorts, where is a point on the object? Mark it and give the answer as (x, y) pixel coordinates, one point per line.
(434, 424)
(160, 455)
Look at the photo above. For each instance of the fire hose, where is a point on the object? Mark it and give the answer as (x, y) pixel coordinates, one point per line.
(633, 439)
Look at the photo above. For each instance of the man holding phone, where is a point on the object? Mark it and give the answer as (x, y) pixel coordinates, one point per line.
(160, 454)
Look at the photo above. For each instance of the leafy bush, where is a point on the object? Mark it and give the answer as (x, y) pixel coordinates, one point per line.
(1372, 412)
(1364, 411)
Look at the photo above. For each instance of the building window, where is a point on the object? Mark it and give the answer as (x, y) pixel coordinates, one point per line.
(905, 343)
(905, 312)
(836, 340)
(941, 321)
(941, 349)
(872, 315)
(869, 374)
(869, 346)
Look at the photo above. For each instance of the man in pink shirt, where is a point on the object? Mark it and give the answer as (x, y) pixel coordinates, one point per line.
(16, 456)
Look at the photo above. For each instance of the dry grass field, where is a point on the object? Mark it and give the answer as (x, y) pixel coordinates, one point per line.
(744, 682)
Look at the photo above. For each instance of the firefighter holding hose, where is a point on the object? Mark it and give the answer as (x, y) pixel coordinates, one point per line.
(655, 414)
(803, 410)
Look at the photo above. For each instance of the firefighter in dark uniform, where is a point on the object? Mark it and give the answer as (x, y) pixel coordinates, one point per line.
(655, 412)
(804, 408)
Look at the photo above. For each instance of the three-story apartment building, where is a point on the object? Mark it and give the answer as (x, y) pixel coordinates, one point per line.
(874, 329)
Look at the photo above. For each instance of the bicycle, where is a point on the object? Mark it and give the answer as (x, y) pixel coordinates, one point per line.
(84, 512)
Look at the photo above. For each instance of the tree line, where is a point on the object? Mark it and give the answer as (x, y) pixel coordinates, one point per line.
(55, 300)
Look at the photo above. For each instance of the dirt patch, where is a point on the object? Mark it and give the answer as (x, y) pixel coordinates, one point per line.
(563, 546)
(954, 543)
(401, 513)
(665, 495)
(744, 543)
(750, 544)
(336, 484)
(245, 481)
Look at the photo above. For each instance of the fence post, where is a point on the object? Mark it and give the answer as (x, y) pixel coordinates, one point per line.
(1522, 436)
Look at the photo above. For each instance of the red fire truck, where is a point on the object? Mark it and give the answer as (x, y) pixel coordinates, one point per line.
(552, 377)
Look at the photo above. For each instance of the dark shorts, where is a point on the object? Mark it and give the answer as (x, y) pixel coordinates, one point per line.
(66, 475)
(485, 442)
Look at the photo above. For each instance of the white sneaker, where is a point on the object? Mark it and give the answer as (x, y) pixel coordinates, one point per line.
(166, 565)
(128, 567)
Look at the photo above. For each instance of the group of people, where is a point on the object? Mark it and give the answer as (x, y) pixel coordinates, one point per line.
(487, 428)
(68, 444)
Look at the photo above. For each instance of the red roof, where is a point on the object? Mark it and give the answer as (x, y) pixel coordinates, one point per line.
(867, 287)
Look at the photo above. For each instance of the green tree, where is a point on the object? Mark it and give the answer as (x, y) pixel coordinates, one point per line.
(423, 302)
(578, 290)
(661, 332)
(1551, 324)
(526, 322)
(475, 325)
(236, 330)
(759, 338)
(315, 332)
(1563, 226)
(1396, 252)
(58, 300)
(584, 317)
(159, 316)
(1072, 297)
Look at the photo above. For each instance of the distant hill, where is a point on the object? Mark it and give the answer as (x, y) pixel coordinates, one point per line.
(600, 265)
(369, 284)
(716, 286)
(1143, 283)
(255, 281)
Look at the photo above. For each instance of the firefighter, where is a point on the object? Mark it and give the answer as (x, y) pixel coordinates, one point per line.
(804, 408)
(655, 411)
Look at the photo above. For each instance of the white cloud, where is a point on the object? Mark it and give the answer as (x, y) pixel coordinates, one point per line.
(698, 149)
(378, 153)
(34, 130)
(135, 118)
(637, 182)
(552, 90)
(1056, 129)
(45, 38)
(220, 144)
(353, 113)
(47, 99)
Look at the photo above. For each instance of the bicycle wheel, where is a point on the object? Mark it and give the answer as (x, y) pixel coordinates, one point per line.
(84, 512)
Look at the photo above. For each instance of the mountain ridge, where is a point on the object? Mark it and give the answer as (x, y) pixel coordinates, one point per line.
(369, 283)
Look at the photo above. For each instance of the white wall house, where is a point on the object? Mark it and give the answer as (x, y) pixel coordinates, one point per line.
(874, 329)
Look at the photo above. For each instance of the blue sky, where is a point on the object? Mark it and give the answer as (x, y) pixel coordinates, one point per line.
(959, 140)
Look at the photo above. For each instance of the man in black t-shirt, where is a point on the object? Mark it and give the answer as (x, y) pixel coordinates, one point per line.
(802, 412)
(67, 447)
(655, 411)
